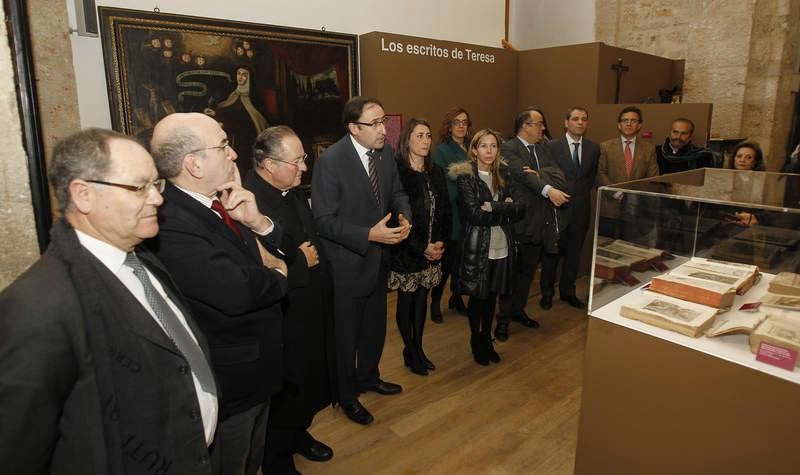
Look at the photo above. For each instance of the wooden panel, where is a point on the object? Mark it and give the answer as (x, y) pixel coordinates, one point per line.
(428, 86)
(650, 406)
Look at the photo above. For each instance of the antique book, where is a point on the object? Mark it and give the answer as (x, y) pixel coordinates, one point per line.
(741, 276)
(652, 257)
(698, 290)
(771, 235)
(779, 330)
(786, 283)
(736, 250)
(735, 323)
(611, 269)
(789, 302)
(667, 312)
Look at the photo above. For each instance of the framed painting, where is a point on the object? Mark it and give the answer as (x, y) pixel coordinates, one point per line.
(247, 76)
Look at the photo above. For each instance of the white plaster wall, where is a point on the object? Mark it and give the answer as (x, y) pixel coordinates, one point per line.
(478, 22)
(545, 23)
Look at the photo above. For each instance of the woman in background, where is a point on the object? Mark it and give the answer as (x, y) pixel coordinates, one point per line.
(747, 156)
(454, 138)
(488, 247)
(415, 264)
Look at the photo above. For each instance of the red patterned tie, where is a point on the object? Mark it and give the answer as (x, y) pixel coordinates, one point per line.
(628, 157)
(216, 205)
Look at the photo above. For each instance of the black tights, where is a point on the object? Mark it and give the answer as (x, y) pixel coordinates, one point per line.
(411, 308)
(481, 313)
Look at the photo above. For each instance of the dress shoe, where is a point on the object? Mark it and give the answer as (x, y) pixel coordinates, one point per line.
(427, 363)
(546, 302)
(358, 413)
(501, 331)
(573, 301)
(315, 451)
(384, 387)
(525, 321)
(436, 313)
(457, 304)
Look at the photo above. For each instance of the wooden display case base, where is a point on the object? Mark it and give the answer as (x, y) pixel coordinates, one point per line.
(653, 407)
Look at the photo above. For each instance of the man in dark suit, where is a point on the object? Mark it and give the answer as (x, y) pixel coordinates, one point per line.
(526, 157)
(213, 240)
(355, 192)
(577, 157)
(278, 166)
(678, 153)
(103, 369)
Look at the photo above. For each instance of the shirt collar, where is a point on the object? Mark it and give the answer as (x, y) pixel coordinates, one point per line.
(526, 144)
(571, 141)
(111, 256)
(360, 149)
(205, 200)
(632, 139)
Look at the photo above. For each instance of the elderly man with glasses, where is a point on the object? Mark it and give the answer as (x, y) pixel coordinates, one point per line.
(221, 252)
(279, 162)
(103, 367)
(355, 192)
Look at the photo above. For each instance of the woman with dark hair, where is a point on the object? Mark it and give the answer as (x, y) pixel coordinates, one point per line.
(488, 246)
(415, 263)
(454, 138)
(747, 155)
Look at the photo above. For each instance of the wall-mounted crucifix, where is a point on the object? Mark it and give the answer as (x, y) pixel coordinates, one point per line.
(619, 68)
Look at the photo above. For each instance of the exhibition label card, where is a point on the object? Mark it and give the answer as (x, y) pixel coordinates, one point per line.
(750, 307)
(776, 356)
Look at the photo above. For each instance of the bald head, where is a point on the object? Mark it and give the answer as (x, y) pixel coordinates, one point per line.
(192, 151)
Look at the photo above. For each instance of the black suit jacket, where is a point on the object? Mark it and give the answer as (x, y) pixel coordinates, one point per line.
(580, 180)
(345, 209)
(233, 296)
(526, 188)
(89, 382)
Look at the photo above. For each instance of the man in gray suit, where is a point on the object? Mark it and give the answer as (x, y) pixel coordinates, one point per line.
(103, 369)
(355, 193)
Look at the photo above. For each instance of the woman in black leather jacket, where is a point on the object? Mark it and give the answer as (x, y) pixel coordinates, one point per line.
(415, 265)
(488, 248)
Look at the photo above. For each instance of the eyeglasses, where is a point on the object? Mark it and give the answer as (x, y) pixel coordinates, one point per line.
(225, 147)
(539, 124)
(296, 162)
(375, 123)
(629, 121)
(460, 123)
(158, 184)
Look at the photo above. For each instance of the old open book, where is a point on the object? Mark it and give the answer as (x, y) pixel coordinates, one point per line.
(648, 257)
(695, 289)
(735, 322)
(788, 302)
(740, 276)
(670, 313)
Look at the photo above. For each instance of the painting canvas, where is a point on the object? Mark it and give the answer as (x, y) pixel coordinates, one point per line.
(246, 76)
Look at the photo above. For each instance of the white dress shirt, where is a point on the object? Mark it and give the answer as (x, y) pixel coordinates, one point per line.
(633, 145)
(571, 142)
(362, 154)
(113, 258)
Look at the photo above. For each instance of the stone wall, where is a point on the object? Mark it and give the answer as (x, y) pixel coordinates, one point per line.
(740, 55)
(18, 244)
(58, 115)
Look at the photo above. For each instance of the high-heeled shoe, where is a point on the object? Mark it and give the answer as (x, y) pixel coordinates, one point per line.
(491, 354)
(413, 363)
(478, 351)
(425, 361)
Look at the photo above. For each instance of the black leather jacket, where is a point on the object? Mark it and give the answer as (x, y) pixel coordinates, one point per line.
(476, 228)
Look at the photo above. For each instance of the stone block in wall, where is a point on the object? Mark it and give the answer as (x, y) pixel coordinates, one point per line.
(18, 243)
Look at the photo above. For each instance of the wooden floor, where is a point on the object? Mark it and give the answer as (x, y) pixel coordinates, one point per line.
(516, 417)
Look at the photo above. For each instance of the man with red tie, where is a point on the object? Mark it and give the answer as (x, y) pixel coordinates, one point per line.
(622, 159)
(214, 241)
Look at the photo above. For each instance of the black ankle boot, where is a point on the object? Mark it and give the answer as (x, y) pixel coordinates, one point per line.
(413, 362)
(479, 351)
(488, 344)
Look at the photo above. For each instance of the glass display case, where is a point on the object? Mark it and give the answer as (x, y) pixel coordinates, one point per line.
(647, 228)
